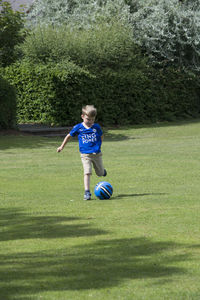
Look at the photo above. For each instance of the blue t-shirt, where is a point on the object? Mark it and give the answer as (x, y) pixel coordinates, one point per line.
(89, 138)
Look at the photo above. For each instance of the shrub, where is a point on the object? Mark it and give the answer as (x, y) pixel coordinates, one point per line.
(65, 69)
(169, 31)
(45, 44)
(148, 95)
(98, 47)
(11, 23)
(77, 13)
(7, 105)
(54, 93)
(174, 95)
(48, 93)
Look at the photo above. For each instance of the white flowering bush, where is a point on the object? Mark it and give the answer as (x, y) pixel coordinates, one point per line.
(76, 13)
(169, 31)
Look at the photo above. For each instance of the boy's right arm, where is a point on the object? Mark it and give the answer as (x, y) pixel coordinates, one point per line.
(66, 139)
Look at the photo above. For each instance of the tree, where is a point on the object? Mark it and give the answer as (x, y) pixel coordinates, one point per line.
(11, 23)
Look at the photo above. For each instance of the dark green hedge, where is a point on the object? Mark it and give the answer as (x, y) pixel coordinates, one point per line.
(176, 95)
(48, 93)
(7, 105)
(140, 96)
(54, 93)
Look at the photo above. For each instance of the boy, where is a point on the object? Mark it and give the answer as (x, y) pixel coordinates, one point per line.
(90, 138)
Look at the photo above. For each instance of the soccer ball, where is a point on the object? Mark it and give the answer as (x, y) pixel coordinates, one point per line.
(103, 190)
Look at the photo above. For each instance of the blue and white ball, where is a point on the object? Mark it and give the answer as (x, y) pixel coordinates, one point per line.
(103, 190)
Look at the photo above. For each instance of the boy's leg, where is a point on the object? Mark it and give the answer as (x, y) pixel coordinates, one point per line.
(87, 167)
(87, 194)
(87, 182)
(98, 164)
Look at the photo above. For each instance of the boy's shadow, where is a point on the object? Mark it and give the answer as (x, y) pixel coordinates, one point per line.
(135, 195)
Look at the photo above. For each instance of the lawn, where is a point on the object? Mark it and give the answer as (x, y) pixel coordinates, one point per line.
(141, 244)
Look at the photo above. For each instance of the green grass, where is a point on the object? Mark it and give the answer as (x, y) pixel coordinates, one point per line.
(143, 243)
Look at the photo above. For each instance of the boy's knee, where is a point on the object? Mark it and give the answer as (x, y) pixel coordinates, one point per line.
(101, 173)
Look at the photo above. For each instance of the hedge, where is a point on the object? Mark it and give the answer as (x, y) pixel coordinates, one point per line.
(48, 93)
(7, 105)
(54, 93)
(145, 96)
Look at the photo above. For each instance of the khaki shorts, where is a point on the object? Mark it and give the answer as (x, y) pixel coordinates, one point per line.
(92, 159)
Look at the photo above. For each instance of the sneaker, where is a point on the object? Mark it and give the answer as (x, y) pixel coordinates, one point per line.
(105, 173)
(87, 196)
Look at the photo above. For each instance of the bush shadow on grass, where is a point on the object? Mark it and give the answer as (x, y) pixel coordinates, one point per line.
(18, 225)
(98, 265)
(36, 142)
(32, 141)
(26, 142)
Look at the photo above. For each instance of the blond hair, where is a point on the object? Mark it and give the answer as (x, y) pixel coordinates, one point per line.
(89, 110)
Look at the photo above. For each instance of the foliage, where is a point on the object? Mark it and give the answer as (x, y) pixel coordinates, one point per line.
(45, 44)
(98, 47)
(11, 23)
(63, 69)
(104, 46)
(174, 94)
(169, 31)
(77, 13)
(54, 93)
(107, 51)
(49, 93)
(7, 105)
(50, 12)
